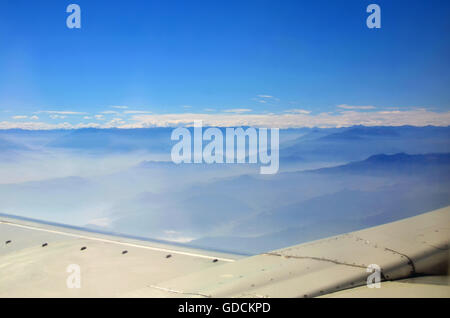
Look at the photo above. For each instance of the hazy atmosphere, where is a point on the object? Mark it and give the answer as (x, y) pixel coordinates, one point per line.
(89, 99)
(330, 181)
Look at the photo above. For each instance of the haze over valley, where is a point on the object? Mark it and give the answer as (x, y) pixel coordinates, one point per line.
(331, 181)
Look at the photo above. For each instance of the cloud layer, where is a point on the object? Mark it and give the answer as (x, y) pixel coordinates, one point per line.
(293, 119)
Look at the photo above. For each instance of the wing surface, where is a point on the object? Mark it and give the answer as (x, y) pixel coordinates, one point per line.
(412, 255)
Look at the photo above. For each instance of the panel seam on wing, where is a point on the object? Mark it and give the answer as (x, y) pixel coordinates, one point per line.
(169, 290)
(316, 259)
(410, 261)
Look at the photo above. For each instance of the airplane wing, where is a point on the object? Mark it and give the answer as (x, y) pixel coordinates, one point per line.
(38, 260)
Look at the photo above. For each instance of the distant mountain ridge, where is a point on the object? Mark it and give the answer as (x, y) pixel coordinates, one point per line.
(396, 163)
(360, 142)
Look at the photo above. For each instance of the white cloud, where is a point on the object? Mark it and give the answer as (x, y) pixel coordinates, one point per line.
(298, 111)
(174, 236)
(99, 117)
(63, 112)
(104, 222)
(137, 112)
(414, 117)
(19, 117)
(116, 122)
(34, 117)
(344, 106)
(390, 112)
(110, 112)
(57, 116)
(237, 110)
(265, 99)
(44, 126)
(119, 107)
(418, 117)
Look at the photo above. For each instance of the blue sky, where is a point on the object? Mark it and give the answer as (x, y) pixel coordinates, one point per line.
(237, 62)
